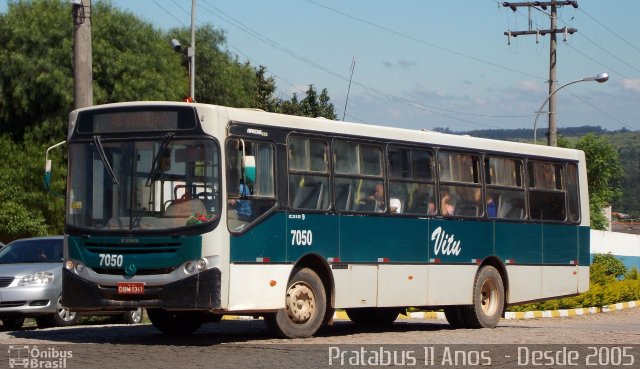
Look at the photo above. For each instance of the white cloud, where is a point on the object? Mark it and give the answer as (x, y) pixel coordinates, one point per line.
(530, 86)
(632, 85)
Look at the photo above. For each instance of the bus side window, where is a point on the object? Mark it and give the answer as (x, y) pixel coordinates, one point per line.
(411, 182)
(460, 189)
(573, 193)
(359, 184)
(248, 197)
(505, 196)
(546, 192)
(308, 173)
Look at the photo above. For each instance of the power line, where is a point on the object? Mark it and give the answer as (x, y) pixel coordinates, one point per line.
(169, 13)
(434, 110)
(597, 62)
(412, 38)
(606, 51)
(601, 111)
(609, 29)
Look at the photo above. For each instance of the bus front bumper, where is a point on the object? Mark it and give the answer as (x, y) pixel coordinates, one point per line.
(197, 292)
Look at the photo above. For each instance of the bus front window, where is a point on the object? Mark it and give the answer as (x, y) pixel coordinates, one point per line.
(151, 185)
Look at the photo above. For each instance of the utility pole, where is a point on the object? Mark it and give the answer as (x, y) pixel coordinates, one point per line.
(82, 60)
(191, 53)
(542, 6)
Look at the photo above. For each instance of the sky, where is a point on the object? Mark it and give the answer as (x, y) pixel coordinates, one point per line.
(430, 64)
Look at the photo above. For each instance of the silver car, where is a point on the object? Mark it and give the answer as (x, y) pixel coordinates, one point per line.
(31, 284)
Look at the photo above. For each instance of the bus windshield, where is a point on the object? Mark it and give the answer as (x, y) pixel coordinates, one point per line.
(158, 184)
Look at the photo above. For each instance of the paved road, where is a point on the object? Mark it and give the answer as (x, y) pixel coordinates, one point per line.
(247, 344)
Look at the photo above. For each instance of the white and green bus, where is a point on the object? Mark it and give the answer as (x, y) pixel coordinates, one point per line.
(196, 211)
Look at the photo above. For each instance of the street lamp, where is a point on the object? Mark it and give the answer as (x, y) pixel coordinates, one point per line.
(190, 52)
(600, 78)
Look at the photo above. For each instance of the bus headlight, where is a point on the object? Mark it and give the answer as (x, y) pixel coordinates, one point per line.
(199, 265)
(189, 267)
(68, 265)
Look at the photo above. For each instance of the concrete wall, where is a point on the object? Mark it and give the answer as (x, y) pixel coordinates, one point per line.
(624, 246)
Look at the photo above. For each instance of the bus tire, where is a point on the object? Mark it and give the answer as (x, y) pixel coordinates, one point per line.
(373, 316)
(488, 299)
(175, 323)
(305, 307)
(456, 316)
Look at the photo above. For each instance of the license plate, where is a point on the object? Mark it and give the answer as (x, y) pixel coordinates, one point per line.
(130, 288)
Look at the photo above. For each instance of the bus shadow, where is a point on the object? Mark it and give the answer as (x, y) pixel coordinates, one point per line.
(227, 331)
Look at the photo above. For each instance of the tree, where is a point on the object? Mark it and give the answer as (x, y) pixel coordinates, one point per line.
(265, 93)
(36, 78)
(131, 60)
(604, 173)
(310, 106)
(25, 210)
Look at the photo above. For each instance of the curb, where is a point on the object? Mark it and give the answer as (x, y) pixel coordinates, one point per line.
(571, 312)
(438, 315)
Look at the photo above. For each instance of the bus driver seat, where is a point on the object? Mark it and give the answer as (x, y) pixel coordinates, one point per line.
(185, 208)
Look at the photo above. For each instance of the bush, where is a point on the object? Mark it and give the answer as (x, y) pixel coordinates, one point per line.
(605, 288)
(632, 274)
(612, 265)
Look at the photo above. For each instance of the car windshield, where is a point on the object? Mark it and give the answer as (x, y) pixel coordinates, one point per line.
(32, 251)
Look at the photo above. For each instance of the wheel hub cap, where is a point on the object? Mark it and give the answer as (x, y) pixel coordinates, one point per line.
(300, 303)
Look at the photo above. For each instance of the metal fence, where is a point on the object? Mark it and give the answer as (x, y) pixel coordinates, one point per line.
(626, 227)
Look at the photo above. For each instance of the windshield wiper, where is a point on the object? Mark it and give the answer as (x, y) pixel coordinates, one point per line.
(105, 162)
(155, 165)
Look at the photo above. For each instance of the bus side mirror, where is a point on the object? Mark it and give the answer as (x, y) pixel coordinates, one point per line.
(47, 174)
(249, 165)
(47, 169)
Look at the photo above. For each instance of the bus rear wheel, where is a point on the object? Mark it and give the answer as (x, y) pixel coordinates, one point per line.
(175, 322)
(488, 299)
(305, 307)
(373, 316)
(456, 316)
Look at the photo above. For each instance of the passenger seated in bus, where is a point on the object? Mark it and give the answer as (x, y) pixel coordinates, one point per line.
(378, 198)
(447, 208)
(492, 209)
(241, 207)
(395, 206)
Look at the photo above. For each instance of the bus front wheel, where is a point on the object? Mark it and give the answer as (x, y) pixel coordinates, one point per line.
(175, 322)
(305, 307)
(488, 299)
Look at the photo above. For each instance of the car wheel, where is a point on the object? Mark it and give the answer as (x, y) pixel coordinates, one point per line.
(132, 317)
(13, 323)
(61, 318)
